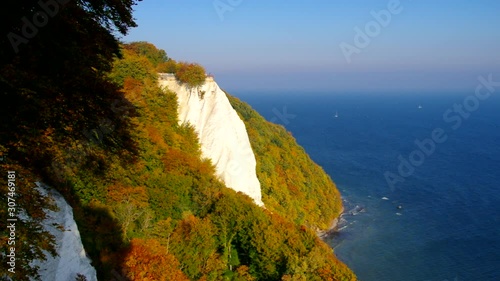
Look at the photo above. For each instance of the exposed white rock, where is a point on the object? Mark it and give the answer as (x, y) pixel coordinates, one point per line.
(222, 133)
(71, 258)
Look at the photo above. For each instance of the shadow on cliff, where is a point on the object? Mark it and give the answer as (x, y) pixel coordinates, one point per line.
(108, 136)
(61, 117)
(62, 125)
(103, 240)
(81, 175)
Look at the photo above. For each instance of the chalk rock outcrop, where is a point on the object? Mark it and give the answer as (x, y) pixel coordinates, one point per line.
(71, 258)
(222, 133)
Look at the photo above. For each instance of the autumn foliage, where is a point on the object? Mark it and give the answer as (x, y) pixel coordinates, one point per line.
(192, 74)
(55, 96)
(151, 208)
(148, 260)
(292, 184)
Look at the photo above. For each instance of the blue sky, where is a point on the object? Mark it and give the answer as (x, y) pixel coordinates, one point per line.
(264, 45)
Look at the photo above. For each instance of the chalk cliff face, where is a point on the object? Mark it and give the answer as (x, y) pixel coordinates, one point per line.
(71, 258)
(222, 133)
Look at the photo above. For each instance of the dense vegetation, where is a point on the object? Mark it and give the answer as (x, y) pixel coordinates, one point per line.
(53, 92)
(91, 121)
(151, 61)
(171, 198)
(292, 184)
(190, 73)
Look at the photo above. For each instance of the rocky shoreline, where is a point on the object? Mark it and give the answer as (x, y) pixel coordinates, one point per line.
(332, 228)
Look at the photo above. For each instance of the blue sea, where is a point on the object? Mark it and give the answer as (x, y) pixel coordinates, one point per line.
(439, 217)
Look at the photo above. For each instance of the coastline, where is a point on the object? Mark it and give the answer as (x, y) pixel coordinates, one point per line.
(322, 234)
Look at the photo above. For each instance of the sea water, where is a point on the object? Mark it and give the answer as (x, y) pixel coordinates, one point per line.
(440, 220)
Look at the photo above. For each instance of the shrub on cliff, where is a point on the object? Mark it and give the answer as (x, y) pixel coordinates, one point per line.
(148, 50)
(157, 57)
(192, 74)
(132, 66)
(169, 66)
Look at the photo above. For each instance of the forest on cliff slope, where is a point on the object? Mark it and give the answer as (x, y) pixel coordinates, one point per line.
(84, 114)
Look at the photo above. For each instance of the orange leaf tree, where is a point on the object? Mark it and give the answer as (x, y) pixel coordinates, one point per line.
(192, 74)
(130, 204)
(149, 260)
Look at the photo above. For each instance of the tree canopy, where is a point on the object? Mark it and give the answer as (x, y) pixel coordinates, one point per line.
(192, 74)
(52, 91)
(148, 50)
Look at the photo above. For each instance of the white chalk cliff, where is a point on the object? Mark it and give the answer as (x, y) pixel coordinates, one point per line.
(71, 258)
(222, 133)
